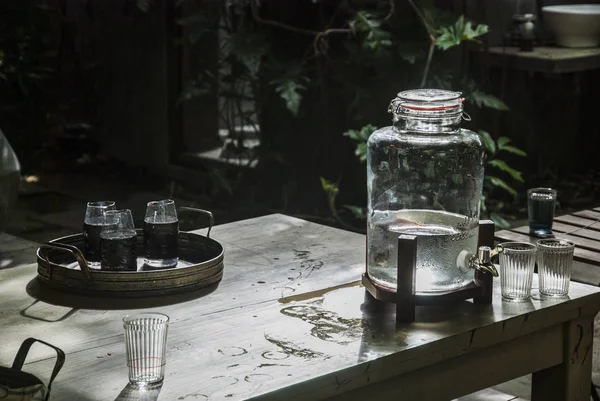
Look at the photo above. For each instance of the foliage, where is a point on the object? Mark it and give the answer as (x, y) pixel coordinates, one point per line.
(290, 91)
(495, 167)
(361, 137)
(332, 190)
(368, 29)
(349, 53)
(462, 30)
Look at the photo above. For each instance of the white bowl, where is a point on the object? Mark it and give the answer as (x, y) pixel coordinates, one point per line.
(576, 25)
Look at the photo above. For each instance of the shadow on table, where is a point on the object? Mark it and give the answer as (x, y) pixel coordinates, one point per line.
(49, 295)
(133, 392)
(17, 258)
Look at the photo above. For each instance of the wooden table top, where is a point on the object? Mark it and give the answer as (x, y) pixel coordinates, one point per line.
(288, 321)
(583, 228)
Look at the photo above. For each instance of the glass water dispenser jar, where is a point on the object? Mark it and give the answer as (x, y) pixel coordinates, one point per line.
(424, 178)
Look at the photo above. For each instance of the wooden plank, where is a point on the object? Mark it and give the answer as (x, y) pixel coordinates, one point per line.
(545, 59)
(11, 243)
(580, 254)
(576, 231)
(578, 221)
(588, 214)
(597, 209)
(581, 242)
(569, 381)
(265, 259)
(464, 373)
(313, 349)
(241, 341)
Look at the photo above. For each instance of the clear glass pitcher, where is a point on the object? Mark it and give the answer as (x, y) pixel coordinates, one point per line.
(424, 178)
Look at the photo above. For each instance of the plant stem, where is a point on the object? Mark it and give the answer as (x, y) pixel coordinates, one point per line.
(431, 34)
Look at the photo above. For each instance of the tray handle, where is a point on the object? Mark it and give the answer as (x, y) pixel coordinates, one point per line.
(211, 219)
(22, 355)
(83, 266)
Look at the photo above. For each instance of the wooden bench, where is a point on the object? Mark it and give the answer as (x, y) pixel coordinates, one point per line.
(582, 228)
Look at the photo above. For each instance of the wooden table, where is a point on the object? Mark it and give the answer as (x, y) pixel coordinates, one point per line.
(583, 228)
(289, 321)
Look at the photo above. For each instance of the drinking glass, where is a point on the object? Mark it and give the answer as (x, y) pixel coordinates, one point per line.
(92, 225)
(161, 228)
(118, 242)
(555, 263)
(540, 207)
(517, 262)
(145, 346)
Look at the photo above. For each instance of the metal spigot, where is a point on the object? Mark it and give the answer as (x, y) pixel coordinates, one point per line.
(483, 260)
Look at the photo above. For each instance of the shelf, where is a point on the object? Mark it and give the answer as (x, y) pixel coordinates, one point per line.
(556, 60)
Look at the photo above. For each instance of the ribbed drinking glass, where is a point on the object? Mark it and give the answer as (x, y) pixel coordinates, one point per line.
(555, 263)
(517, 262)
(145, 345)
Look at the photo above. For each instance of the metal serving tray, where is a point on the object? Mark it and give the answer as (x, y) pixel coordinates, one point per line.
(62, 266)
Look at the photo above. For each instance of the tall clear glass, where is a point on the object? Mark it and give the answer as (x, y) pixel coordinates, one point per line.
(555, 263)
(541, 203)
(93, 222)
(161, 228)
(118, 241)
(145, 346)
(517, 263)
(424, 178)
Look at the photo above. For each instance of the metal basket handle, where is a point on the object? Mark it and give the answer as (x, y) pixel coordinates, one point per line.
(73, 250)
(211, 219)
(22, 355)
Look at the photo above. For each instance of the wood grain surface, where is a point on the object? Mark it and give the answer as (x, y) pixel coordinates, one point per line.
(288, 321)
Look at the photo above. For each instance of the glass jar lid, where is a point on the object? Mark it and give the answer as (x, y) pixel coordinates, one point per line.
(427, 103)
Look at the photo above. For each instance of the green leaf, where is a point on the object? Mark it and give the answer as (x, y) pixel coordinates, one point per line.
(488, 141)
(500, 164)
(497, 182)
(500, 221)
(289, 89)
(357, 211)
(362, 134)
(502, 141)
(514, 150)
(482, 99)
(361, 151)
(249, 48)
(330, 188)
(462, 30)
(483, 204)
(366, 27)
